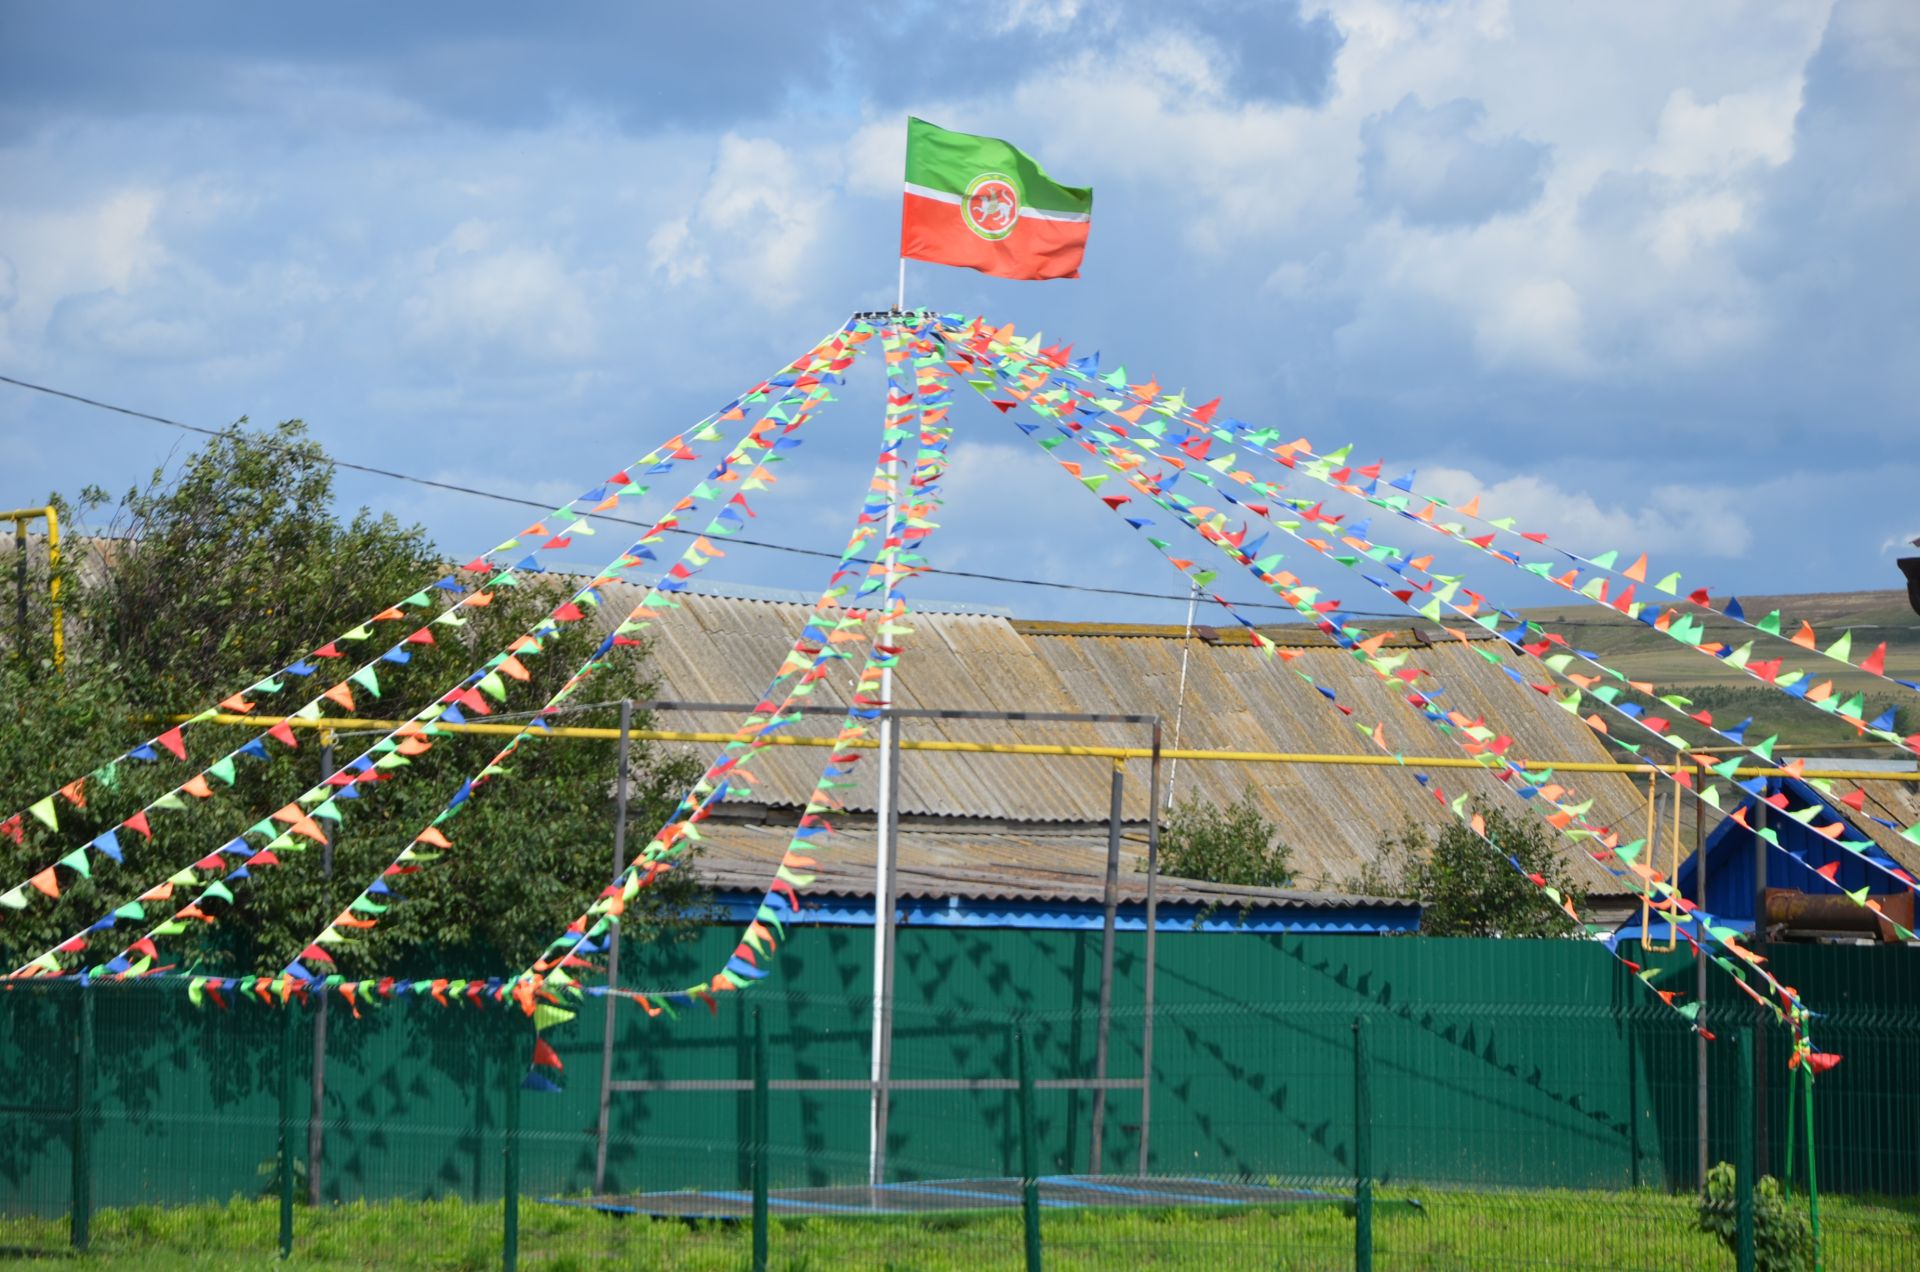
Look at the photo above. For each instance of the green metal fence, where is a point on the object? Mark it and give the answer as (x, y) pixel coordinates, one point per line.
(1315, 1102)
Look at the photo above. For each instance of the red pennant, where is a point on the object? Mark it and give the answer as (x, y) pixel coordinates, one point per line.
(171, 740)
(546, 1055)
(139, 822)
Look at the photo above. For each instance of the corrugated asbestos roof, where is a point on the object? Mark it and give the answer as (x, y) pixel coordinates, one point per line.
(721, 649)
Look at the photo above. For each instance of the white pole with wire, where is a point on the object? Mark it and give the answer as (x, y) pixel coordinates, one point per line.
(883, 864)
(1180, 694)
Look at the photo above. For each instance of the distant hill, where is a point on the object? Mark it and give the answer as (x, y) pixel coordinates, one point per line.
(1730, 694)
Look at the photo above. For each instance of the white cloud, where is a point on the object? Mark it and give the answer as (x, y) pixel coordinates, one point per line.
(1720, 137)
(107, 244)
(1042, 17)
(486, 301)
(755, 225)
(1695, 519)
(876, 158)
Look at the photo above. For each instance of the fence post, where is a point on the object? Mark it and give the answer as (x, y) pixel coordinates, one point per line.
(1029, 1164)
(761, 1125)
(81, 1218)
(510, 1174)
(1743, 1151)
(317, 1077)
(1793, 1121)
(1362, 1151)
(288, 1039)
(1813, 1180)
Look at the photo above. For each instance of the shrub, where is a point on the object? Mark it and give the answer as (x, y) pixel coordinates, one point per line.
(1782, 1239)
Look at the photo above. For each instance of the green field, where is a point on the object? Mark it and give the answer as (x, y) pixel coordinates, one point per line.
(1446, 1230)
(1729, 693)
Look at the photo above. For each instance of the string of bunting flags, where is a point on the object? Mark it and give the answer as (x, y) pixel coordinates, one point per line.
(1145, 441)
(304, 818)
(918, 404)
(1668, 621)
(1567, 818)
(1772, 624)
(807, 661)
(776, 431)
(221, 773)
(1529, 638)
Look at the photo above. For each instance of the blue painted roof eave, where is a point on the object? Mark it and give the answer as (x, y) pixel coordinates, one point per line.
(1371, 917)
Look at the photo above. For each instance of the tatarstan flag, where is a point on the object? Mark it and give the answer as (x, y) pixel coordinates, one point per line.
(979, 203)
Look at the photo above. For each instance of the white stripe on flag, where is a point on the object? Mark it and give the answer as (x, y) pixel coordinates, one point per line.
(943, 196)
(1041, 214)
(1038, 214)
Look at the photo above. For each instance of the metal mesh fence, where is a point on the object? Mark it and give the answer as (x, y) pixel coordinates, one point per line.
(1316, 1102)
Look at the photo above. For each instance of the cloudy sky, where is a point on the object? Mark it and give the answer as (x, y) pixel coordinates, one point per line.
(1642, 272)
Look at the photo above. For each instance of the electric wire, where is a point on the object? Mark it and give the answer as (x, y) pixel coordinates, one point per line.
(818, 553)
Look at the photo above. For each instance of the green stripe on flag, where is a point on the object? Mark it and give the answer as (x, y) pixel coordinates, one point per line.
(948, 162)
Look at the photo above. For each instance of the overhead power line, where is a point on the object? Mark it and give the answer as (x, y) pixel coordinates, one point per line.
(817, 553)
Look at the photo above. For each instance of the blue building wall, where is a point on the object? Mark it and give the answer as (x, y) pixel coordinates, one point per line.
(1794, 863)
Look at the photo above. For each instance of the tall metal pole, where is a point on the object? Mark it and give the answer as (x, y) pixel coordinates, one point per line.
(1111, 900)
(1153, 924)
(883, 819)
(20, 546)
(885, 910)
(613, 948)
(1700, 980)
(53, 590)
(1762, 1146)
(317, 1106)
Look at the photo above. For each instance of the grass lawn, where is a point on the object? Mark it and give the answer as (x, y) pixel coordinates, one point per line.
(1446, 1230)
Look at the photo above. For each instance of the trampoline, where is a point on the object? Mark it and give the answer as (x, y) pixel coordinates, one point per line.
(1057, 1192)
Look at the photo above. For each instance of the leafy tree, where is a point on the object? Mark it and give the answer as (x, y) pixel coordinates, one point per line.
(1467, 888)
(235, 563)
(238, 563)
(1232, 845)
